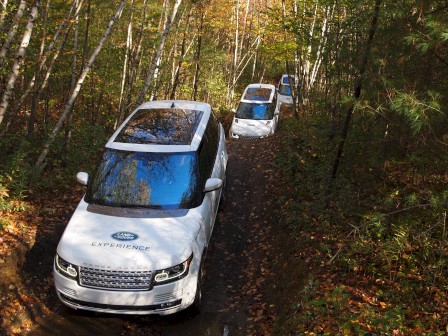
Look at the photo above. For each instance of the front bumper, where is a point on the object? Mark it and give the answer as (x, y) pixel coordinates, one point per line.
(160, 300)
(283, 99)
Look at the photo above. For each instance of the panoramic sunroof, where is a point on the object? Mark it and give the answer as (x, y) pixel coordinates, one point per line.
(256, 93)
(161, 126)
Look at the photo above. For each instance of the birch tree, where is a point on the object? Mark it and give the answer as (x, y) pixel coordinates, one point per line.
(3, 11)
(44, 57)
(12, 31)
(18, 60)
(158, 53)
(75, 92)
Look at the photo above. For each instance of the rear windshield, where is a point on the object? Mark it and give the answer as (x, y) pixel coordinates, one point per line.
(259, 94)
(256, 111)
(148, 180)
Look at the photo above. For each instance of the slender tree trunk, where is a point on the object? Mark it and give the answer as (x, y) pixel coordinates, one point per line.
(69, 125)
(18, 61)
(35, 100)
(76, 90)
(12, 31)
(3, 11)
(125, 67)
(183, 52)
(44, 58)
(197, 57)
(243, 33)
(235, 53)
(158, 53)
(135, 61)
(357, 87)
(86, 34)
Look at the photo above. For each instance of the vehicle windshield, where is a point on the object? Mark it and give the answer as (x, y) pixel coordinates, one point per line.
(284, 90)
(256, 111)
(148, 180)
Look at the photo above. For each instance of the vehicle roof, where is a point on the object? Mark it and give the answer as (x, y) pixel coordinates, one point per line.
(162, 126)
(258, 92)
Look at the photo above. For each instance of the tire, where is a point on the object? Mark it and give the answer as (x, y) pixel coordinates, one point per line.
(196, 307)
(223, 199)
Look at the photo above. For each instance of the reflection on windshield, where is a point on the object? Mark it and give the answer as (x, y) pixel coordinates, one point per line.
(150, 180)
(256, 111)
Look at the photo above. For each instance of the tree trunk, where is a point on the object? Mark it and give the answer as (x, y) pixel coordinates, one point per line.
(76, 90)
(18, 61)
(357, 87)
(235, 54)
(68, 127)
(158, 53)
(135, 62)
(198, 57)
(125, 67)
(183, 52)
(12, 31)
(44, 58)
(86, 34)
(35, 100)
(3, 12)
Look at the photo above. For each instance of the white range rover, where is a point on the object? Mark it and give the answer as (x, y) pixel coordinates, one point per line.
(137, 240)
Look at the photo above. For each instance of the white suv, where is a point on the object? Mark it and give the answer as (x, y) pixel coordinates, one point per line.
(257, 112)
(284, 94)
(137, 240)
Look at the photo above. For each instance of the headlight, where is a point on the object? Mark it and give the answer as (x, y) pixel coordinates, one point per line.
(174, 273)
(65, 268)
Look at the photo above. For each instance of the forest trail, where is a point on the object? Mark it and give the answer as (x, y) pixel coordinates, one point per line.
(241, 288)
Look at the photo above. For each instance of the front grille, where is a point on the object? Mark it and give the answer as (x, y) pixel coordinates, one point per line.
(119, 280)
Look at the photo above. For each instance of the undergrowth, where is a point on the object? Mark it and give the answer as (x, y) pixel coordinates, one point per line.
(381, 265)
(18, 178)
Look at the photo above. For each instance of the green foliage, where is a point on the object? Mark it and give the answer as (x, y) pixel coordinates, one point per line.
(417, 112)
(386, 216)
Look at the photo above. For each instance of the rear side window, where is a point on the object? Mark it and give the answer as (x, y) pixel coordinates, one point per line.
(208, 149)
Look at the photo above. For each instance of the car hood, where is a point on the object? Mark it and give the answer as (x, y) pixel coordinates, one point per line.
(252, 128)
(156, 241)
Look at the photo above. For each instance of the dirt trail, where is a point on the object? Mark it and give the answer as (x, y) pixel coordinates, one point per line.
(240, 279)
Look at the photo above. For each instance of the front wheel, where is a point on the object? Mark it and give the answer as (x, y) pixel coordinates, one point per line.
(197, 304)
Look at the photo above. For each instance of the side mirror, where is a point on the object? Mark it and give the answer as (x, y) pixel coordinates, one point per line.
(233, 110)
(82, 178)
(212, 184)
(276, 112)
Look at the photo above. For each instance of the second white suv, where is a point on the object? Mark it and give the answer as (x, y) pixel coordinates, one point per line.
(257, 112)
(137, 240)
(284, 94)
